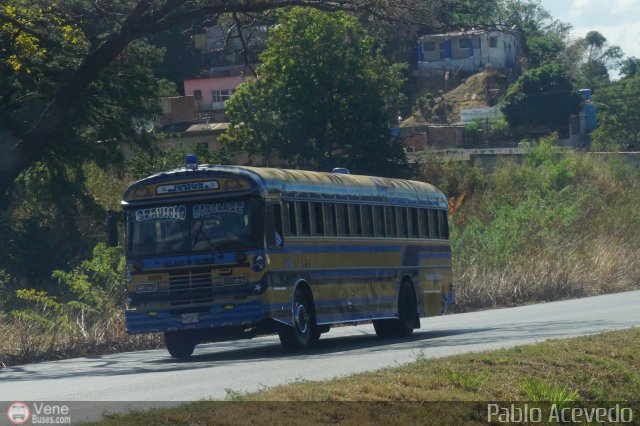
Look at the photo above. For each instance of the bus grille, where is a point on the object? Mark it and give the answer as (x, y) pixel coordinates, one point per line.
(191, 287)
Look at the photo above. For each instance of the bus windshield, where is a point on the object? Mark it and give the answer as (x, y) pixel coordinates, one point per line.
(213, 226)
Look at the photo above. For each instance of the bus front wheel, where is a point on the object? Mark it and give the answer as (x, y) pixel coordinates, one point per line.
(303, 333)
(179, 344)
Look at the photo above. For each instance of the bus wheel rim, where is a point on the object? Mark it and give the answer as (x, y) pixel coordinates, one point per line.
(302, 320)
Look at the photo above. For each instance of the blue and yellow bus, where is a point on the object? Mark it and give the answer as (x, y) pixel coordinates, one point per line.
(223, 252)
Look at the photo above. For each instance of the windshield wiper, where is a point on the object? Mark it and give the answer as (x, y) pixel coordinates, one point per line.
(207, 239)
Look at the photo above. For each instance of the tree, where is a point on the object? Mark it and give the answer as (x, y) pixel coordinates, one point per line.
(619, 122)
(320, 98)
(54, 53)
(544, 38)
(600, 59)
(591, 58)
(182, 60)
(630, 67)
(542, 96)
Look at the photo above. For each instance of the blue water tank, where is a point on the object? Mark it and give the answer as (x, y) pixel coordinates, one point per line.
(586, 94)
(590, 116)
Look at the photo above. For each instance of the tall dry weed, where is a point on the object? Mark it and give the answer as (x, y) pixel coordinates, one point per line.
(25, 341)
(577, 268)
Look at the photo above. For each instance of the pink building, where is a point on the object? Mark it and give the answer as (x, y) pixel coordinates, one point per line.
(211, 92)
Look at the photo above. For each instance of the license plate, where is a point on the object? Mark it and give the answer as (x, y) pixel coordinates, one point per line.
(190, 318)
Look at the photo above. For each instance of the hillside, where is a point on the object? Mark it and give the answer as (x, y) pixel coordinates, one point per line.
(478, 91)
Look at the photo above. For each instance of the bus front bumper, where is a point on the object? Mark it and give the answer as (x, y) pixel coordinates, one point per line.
(219, 315)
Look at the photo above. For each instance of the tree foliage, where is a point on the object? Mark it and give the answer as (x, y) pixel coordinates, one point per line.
(544, 38)
(600, 58)
(321, 98)
(54, 115)
(55, 54)
(630, 67)
(542, 96)
(591, 58)
(618, 118)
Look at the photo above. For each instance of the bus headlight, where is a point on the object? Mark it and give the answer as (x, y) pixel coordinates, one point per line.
(258, 263)
(146, 287)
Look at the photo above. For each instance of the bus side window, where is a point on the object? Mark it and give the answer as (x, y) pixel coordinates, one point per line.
(390, 220)
(413, 223)
(401, 220)
(303, 219)
(378, 221)
(432, 224)
(423, 221)
(355, 220)
(367, 221)
(342, 216)
(330, 219)
(290, 213)
(317, 219)
(444, 224)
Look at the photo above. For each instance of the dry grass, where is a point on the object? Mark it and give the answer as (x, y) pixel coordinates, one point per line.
(576, 269)
(25, 342)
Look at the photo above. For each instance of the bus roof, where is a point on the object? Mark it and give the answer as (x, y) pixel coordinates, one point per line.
(299, 185)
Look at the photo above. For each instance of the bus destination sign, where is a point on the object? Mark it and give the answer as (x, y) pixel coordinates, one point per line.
(187, 187)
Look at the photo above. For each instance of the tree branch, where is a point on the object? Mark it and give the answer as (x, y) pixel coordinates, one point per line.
(245, 50)
(20, 151)
(19, 25)
(241, 7)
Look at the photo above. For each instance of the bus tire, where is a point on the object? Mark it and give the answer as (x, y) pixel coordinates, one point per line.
(407, 311)
(303, 333)
(179, 344)
(318, 331)
(385, 329)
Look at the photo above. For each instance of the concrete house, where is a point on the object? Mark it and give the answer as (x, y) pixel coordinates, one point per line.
(212, 91)
(469, 51)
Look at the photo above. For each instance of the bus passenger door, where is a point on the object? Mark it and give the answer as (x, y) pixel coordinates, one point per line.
(273, 226)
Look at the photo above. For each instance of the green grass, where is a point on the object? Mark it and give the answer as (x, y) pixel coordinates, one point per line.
(599, 368)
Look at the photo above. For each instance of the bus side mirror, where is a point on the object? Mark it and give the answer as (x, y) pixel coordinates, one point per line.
(112, 228)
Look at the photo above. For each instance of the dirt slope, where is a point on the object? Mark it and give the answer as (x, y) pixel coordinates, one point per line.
(478, 91)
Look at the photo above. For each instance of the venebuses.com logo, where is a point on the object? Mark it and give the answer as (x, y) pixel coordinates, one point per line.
(18, 413)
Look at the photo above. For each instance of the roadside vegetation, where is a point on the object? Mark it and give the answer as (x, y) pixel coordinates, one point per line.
(559, 225)
(600, 369)
(80, 310)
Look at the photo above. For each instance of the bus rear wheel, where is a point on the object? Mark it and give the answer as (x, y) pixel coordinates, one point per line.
(304, 332)
(179, 344)
(407, 313)
(385, 329)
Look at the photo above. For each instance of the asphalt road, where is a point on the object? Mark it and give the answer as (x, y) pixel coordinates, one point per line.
(249, 365)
